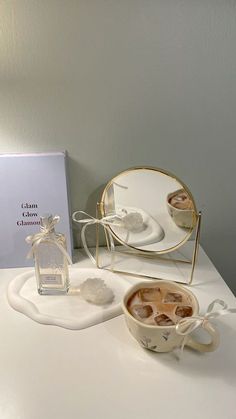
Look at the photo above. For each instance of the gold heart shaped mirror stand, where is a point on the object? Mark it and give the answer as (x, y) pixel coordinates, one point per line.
(150, 216)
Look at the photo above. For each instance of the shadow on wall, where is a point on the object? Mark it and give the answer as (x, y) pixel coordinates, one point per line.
(81, 183)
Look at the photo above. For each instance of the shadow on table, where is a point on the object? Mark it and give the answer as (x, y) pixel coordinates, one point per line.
(218, 364)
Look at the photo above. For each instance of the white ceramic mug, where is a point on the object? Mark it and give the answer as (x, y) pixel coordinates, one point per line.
(165, 338)
(185, 218)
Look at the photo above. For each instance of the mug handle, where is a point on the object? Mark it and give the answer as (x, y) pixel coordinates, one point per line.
(206, 347)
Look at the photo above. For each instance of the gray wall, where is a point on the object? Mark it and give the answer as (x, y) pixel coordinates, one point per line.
(123, 83)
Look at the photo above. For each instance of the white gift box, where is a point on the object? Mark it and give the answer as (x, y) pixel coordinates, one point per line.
(31, 185)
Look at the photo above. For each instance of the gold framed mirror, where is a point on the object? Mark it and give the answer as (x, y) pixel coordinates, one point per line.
(152, 213)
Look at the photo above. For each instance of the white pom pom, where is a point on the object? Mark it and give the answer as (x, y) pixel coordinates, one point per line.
(133, 222)
(95, 291)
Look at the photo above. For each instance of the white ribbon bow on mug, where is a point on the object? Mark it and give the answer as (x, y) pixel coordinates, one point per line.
(187, 325)
(44, 233)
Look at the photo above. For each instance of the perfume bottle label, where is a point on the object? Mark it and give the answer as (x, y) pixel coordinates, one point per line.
(47, 279)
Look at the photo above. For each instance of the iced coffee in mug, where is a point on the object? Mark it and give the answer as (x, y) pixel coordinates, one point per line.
(153, 310)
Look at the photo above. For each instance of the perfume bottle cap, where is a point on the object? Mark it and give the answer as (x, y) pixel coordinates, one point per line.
(46, 220)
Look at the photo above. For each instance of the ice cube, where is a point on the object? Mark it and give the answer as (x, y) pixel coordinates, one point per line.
(142, 312)
(163, 320)
(149, 294)
(173, 297)
(184, 311)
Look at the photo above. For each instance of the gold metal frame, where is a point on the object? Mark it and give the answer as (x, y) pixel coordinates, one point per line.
(146, 253)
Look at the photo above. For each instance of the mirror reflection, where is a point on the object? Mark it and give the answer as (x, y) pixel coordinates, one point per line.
(149, 210)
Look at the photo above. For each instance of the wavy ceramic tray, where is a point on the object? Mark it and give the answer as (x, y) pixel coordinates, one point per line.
(153, 233)
(70, 311)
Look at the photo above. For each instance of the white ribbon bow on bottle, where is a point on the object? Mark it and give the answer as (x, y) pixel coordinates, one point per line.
(44, 234)
(187, 325)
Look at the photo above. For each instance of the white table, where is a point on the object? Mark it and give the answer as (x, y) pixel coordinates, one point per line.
(101, 372)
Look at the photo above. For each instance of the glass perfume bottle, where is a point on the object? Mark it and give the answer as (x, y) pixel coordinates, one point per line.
(51, 258)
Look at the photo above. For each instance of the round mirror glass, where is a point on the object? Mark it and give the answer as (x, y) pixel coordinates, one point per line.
(149, 210)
